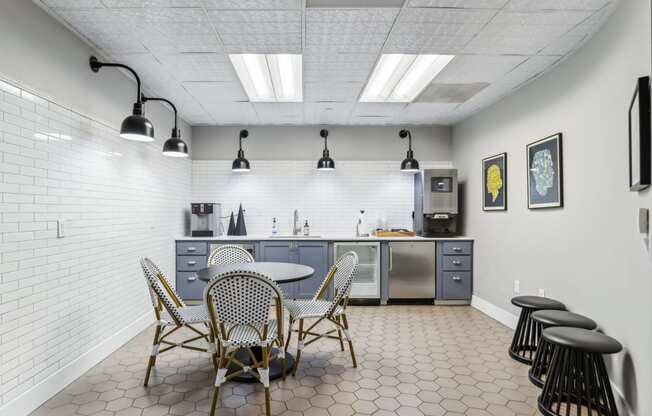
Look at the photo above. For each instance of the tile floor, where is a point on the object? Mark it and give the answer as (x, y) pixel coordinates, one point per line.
(412, 361)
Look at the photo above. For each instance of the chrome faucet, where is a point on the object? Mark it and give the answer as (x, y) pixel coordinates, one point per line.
(296, 228)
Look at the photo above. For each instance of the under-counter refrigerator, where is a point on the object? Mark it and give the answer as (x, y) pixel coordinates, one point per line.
(366, 283)
(412, 270)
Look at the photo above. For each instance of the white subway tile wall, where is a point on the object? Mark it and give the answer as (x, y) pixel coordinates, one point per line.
(330, 201)
(60, 297)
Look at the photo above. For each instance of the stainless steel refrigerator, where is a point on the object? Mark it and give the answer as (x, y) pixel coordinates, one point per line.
(412, 270)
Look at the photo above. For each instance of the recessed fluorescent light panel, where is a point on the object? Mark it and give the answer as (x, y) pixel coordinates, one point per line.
(270, 78)
(400, 78)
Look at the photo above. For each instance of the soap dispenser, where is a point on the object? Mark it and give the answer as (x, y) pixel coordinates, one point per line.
(306, 229)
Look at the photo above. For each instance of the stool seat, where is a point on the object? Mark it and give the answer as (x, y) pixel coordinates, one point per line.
(537, 303)
(550, 317)
(582, 340)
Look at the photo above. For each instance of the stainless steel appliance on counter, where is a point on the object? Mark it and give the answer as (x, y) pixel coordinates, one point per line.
(412, 270)
(436, 203)
(205, 219)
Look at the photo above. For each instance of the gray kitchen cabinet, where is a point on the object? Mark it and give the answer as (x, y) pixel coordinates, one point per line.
(309, 253)
(454, 270)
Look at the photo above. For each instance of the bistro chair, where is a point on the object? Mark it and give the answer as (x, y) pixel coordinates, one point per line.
(170, 311)
(239, 304)
(229, 254)
(320, 309)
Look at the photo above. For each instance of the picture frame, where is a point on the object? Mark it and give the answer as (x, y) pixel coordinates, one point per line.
(640, 150)
(494, 183)
(544, 164)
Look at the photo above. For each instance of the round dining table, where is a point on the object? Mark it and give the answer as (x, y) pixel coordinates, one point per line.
(280, 273)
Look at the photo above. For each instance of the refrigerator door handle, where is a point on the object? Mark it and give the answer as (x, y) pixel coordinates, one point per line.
(391, 259)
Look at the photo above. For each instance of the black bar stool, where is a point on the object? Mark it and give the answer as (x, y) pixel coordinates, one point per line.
(577, 382)
(528, 332)
(550, 319)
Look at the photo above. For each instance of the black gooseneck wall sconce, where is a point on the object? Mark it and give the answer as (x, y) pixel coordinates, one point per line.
(325, 163)
(409, 164)
(174, 146)
(135, 127)
(241, 164)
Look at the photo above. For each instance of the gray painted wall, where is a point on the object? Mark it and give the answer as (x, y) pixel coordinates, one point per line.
(42, 54)
(589, 253)
(304, 143)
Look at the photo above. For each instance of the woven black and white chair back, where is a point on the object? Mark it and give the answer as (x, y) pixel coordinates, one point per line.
(161, 290)
(241, 298)
(345, 270)
(229, 254)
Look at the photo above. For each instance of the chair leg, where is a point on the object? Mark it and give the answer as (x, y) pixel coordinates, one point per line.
(339, 334)
(299, 348)
(348, 338)
(152, 357)
(219, 379)
(287, 342)
(266, 352)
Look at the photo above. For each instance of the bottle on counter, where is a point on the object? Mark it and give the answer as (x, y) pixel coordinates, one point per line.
(274, 226)
(306, 228)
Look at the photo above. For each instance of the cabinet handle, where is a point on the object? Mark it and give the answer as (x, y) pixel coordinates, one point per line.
(457, 262)
(391, 259)
(192, 248)
(457, 249)
(192, 278)
(457, 278)
(192, 263)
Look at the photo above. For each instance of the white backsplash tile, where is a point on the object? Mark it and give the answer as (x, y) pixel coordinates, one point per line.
(330, 201)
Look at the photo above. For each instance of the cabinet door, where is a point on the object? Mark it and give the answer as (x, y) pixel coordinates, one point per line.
(315, 255)
(279, 251)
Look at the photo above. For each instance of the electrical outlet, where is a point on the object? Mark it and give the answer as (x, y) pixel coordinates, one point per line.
(517, 286)
(60, 229)
(542, 293)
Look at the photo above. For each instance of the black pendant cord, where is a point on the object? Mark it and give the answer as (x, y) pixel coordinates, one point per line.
(324, 133)
(406, 133)
(95, 65)
(243, 135)
(175, 131)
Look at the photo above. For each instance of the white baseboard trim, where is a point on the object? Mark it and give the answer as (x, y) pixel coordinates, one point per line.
(40, 393)
(493, 311)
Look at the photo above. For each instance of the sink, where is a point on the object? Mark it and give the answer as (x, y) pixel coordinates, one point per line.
(294, 237)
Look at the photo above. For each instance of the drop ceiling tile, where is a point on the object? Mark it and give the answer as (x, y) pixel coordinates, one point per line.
(383, 16)
(288, 17)
(173, 29)
(327, 113)
(262, 43)
(543, 17)
(215, 92)
(425, 113)
(447, 16)
(237, 28)
(252, 4)
(459, 4)
(339, 67)
(159, 44)
(450, 93)
(279, 113)
(73, 4)
(556, 4)
(332, 91)
(563, 45)
(151, 3)
(162, 14)
(232, 112)
(478, 68)
(427, 44)
(199, 67)
(118, 44)
(370, 110)
(372, 121)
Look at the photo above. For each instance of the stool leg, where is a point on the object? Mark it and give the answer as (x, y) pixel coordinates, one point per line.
(526, 337)
(540, 363)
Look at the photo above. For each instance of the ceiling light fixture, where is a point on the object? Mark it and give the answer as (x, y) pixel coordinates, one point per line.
(241, 164)
(135, 127)
(409, 164)
(401, 78)
(325, 163)
(174, 146)
(270, 78)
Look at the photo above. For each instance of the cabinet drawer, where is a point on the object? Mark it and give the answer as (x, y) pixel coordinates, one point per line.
(192, 248)
(456, 285)
(189, 286)
(457, 247)
(457, 263)
(190, 263)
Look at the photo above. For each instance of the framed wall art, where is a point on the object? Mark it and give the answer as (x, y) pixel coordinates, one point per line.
(639, 136)
(494, 183)
(544, 173)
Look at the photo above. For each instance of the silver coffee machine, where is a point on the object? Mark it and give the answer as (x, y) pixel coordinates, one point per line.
(436, 203)
(205, 219)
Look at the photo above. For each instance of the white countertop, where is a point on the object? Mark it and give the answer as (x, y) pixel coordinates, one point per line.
(317, 238)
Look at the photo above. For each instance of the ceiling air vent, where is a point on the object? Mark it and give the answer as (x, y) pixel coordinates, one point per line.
(450, 93)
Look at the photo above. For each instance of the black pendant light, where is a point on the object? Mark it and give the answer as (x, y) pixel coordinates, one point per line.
(409, 164)
(325, 163)
(241, 164)
(135, 127)
(174, 146)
